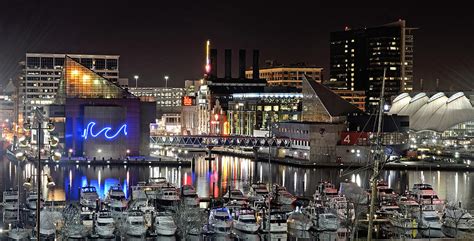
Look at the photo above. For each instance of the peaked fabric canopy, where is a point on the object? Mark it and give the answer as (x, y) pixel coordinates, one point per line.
(437, 113)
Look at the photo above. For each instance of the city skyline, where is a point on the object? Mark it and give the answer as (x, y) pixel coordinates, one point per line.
(168, 39)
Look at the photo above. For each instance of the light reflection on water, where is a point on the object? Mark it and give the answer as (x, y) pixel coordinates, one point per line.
(235, 173)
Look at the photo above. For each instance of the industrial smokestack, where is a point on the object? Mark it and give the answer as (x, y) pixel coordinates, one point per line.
(242, 58)
(255, 67)
(228, 64)
(214, 63)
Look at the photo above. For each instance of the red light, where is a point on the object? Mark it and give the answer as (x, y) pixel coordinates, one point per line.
(208, 68)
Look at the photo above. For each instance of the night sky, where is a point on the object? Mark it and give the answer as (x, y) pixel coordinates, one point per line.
(167, 37)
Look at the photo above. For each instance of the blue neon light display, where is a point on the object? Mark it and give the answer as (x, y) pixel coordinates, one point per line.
(88, 131)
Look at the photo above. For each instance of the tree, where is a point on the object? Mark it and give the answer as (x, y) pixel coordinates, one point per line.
(189, 220)
(454, 214)
(357, 198)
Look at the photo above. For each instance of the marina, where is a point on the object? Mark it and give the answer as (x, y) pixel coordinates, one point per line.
(232, 199)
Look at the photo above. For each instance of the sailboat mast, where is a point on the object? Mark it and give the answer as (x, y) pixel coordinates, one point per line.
(379, 155)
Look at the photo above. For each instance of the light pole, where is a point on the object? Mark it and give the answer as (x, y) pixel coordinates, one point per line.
(136, 80)
(166, 81)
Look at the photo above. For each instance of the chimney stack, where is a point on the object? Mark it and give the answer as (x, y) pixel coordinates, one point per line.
(228, 64)
(255, 67)
(213, 63)
(242, 58)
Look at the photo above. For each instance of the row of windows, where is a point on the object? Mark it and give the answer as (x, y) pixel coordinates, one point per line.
(300, 143)
(293, 130)
(58, 63)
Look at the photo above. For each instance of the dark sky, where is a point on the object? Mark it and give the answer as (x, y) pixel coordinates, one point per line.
(155, 38)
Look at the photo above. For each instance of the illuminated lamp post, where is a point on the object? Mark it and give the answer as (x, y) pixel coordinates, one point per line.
(136, 80)
(166, 81)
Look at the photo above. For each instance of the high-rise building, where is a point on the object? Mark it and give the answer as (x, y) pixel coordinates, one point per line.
(168, 100)
(42, 72)
(359, 57)
(287, 75)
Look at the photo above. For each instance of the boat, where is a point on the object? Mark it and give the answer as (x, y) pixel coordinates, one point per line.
(87, 219)
(135, 224)
(89, 197)
(157, 181)
(385, 193)
(326, 222)
(299, 221)
(32, 201)
(405, 224)
(277, 222)
(387, 210)
(235, 194)
(49, 221)
(425, 194)
(105, 224)
(458, 223)
(165, 225)
(430, 223)
(10, 201)
(246, 221)
(220, 221)
(189, 195)
(116, 199)
(326, 191)
(282, 196)
(343, 208)
(19, 233)
(258, 191)
(168, 196)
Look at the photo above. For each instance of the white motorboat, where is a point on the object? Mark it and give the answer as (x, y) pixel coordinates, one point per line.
(325, 191)
(157, 181)
(116, 199)
(384, 192)
(246, 221)
(10, 201)
(89, 197)
(404, 224)
(220, 220)
(299, 221)
(189, 195)
(235, 194)
(258, 191)
(165, 225)
(327, 222)
(32, 200)
(430, 223)
(343, 208)
(105, 224)
(168, 196)
(87, 219)
(277, 222)
(458, 222)
(285, 198)
(135, 224)
(387, 210)
(425, 194)
(18, 233)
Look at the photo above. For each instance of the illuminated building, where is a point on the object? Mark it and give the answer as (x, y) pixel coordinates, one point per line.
(287, 75)
(42, 72)
(359, 56)
(168, 100)
(96, 118)
(354, 97)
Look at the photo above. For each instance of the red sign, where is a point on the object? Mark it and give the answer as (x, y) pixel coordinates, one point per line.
(354, 138)
(187, 101)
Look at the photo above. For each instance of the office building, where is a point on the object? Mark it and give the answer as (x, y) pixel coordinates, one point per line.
(168, 100)
(358, 58)
(287, 75)
(41, 73)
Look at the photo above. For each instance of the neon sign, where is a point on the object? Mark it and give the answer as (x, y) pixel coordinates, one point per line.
(106, 131)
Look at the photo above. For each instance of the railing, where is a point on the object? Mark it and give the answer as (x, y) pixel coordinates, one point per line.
(207, 141)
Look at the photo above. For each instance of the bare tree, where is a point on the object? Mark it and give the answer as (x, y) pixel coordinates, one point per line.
(189, 220)
(357, 200)
(454, 213)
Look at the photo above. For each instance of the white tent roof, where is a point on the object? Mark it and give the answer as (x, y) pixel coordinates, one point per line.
(438, 113)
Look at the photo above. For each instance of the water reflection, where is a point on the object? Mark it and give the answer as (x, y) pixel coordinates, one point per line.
(215, 177)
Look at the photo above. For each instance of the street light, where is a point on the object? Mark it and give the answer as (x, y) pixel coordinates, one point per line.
(166, 81)
(136, 80)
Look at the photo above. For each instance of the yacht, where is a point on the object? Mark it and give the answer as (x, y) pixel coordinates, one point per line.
(189, 195)
(32, 200)
(89, 197)
(463, 219)
(258, 191)
(283, 196)
(246, 221)
(425, 194)
(165, 225)
(157, 181)
(387, 210)
(277, 222)
(168, 196)
(384, 192)
(430, 223)
(327, 222)
(19, 233)
(116, 199)
(326, 191)
(404, 223)
(299, 221)
(135, 224)
(220, 220)
(343, 208)
(87, 219)
(105, 224)
(235, 194)
(10, 201)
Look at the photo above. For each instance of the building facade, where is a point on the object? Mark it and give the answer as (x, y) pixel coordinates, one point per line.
(168, 100)
(288, 75)
(358, 58)
(41, 73)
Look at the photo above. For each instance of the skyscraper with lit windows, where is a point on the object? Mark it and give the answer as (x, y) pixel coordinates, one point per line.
(358, 58)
